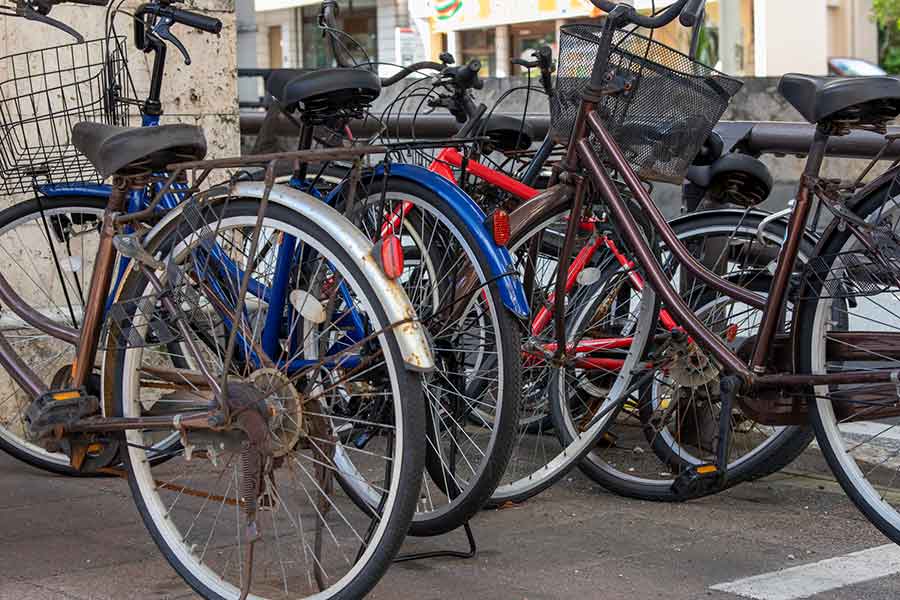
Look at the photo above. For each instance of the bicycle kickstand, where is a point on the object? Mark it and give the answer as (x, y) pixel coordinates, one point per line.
(706, 478)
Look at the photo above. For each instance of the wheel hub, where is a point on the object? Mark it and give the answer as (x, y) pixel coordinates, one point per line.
(693, 368)
(285, 408)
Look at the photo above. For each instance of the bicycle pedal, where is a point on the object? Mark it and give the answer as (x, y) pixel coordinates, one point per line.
(48, 416)
(698, 481)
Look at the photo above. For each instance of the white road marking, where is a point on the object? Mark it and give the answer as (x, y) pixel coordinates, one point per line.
(808, 580)
(876, 430)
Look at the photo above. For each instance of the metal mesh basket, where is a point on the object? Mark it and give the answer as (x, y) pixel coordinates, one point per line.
(669, 109)
(43, 94)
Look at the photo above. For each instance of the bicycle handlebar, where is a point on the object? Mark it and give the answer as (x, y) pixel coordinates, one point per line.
(629, 15)
(175, 15)
(544, 61)
(39, 11)
(407, 71)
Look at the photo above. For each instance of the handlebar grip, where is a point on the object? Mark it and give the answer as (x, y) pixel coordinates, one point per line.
(692, 13)
(197, 21)
(140, 37)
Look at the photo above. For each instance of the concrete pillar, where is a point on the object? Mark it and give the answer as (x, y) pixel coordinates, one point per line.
(386, 21)
(250, 88)
(559, 23)
(501, 51)
(730, 37)
(454, 44)
(790, 36)
(864, 31)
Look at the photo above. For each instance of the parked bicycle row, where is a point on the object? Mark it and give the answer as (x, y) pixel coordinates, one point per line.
(297, 358)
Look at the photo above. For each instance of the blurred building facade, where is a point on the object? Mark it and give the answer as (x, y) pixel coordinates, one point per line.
(744, 37)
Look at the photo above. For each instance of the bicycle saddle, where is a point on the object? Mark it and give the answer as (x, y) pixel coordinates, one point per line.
(331, 87)
(509, 133)
(855, 99)
(279, 78)
(134, 150)
(746, 179)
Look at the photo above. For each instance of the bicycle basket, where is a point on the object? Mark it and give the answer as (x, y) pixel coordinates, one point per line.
(43, 94)
(669, 109)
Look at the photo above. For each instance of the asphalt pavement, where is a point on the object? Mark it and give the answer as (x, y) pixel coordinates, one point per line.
(81, 539)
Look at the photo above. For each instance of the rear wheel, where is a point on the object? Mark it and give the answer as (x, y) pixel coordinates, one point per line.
(472, 402)
(670, 423)
(334, 409)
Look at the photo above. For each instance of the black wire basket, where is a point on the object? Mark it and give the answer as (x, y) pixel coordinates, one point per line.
(43, 94)
(670, 107)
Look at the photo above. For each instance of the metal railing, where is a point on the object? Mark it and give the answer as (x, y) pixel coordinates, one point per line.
(757, 138)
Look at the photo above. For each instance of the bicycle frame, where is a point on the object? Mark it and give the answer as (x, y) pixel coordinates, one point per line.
(451, 157)
(580, 154)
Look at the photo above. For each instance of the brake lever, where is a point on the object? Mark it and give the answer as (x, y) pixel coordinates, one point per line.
(163, 32)
(27, 12)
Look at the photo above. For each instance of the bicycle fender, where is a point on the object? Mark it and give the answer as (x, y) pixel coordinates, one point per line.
(499, 260)
(91, 190)
(415, 347)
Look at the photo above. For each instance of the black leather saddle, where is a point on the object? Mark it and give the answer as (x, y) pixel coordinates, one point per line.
(278, 78)
(854, 99)
(325, 87)
(509, 134)
(135, 150)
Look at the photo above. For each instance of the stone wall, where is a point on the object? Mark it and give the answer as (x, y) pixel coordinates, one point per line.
(204, 93)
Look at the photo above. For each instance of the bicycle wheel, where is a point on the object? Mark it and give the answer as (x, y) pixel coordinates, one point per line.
(47, 252)
(539, 459)
(671, 423)
(848, 317)
(472, 397)
(326, 393)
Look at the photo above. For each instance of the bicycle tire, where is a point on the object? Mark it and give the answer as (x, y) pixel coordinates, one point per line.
(406, 464)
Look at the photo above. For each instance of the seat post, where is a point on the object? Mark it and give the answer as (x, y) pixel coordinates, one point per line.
(101, 280)
(305, 143)
(791, 248)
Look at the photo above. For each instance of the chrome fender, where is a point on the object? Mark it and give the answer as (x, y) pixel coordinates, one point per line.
(411, 336)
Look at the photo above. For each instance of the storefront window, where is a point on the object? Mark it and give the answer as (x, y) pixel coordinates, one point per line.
(530, 36)
(358, 19)
(478, 44)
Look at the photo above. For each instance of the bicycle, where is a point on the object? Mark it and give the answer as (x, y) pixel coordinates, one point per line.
(727, 241)
(473, 395)
(849, 380)
(202, 415)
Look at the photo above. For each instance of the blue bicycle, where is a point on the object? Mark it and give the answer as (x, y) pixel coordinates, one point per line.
(254, 345)
(472, 397)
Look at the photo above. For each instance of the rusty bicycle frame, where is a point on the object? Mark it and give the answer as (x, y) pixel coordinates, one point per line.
(572, 189)
(87, 338)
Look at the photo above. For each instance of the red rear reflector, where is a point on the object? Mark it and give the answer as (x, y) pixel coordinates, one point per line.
(500, 227)
(390, 253)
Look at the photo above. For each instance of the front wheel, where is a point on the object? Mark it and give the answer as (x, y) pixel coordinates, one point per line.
(278, 526)
(849, 319)
(472, 398)
(47, 252)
